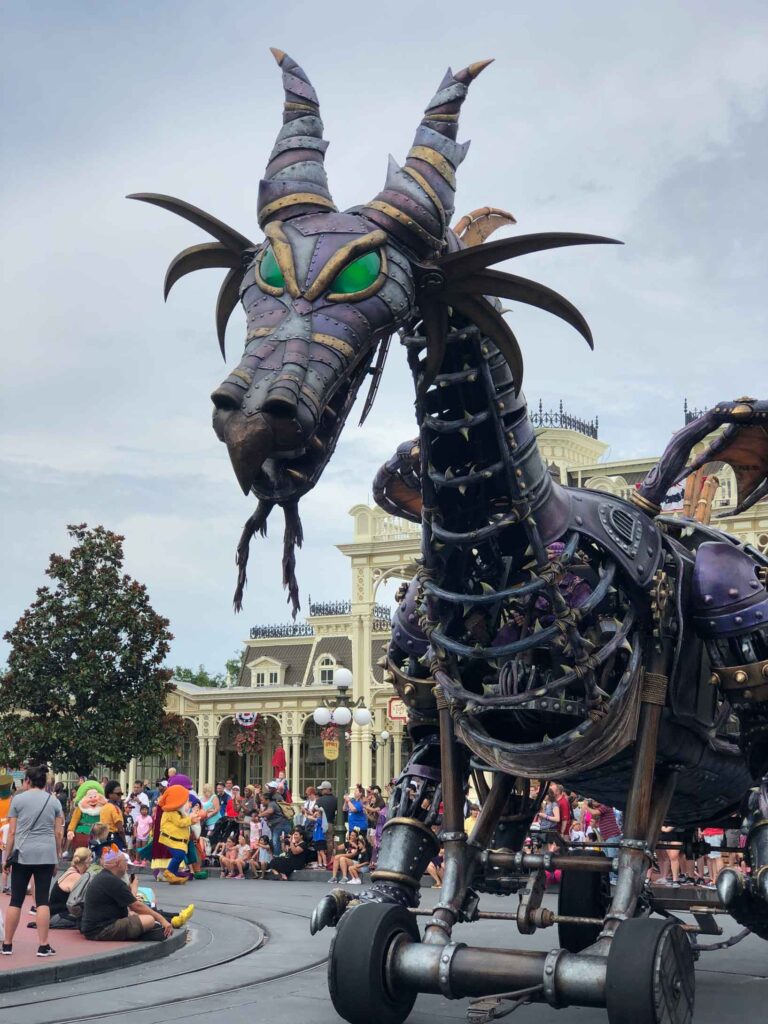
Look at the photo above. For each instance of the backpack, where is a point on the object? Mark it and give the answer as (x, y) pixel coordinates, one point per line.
(76, 900)
(287, 810)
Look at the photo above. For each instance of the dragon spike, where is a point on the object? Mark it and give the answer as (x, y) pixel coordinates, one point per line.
(520, 289)
(478, 257)
(295, 181)
(229, 295)
(218, 229)
(416, 203)
(199, 257)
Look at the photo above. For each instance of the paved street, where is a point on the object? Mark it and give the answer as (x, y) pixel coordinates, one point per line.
(230, 970)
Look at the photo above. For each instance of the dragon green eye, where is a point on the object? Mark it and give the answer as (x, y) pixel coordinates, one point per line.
(270, 272)
(357, 275)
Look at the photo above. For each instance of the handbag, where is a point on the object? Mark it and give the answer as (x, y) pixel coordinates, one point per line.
(14, 858)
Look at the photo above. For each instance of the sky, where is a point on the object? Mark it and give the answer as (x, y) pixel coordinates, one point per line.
(645, 121)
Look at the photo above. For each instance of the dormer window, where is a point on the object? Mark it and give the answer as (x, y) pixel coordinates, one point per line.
(267, 672)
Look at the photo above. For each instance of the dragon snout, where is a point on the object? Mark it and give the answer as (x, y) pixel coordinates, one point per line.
(254, 437)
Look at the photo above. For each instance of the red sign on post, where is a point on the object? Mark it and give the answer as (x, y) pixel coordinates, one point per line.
(397, 710)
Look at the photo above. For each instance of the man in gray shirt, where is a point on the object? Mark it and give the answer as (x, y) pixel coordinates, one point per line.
(35, 835)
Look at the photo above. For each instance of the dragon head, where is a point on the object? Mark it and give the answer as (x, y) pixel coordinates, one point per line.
(325, 290)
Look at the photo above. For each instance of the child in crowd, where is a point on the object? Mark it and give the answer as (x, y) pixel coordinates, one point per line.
(143, 835)
(99, 840)
(255, 830)
(261, 858)
(227, 857)
(243, 854)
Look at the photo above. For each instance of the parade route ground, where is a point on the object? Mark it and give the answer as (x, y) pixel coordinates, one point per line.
(250, 958)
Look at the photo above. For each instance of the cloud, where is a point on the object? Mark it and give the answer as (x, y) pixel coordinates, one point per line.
(643, 122)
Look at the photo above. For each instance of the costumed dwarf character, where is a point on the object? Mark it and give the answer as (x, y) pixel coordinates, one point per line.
(197, 852)
(6, 795)
(89, 800)
(173, 828)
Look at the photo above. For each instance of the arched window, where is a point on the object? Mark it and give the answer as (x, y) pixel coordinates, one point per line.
(326, 666)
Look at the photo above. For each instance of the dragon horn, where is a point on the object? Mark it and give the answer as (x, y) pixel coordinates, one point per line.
(416, 203)
(295, 181)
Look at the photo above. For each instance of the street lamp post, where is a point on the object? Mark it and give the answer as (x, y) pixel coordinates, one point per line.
(376, 745)
(341, 711)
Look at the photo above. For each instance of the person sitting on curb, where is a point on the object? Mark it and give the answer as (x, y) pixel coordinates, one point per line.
(262, 855)
(113, 913)
(63, 886)
(294, 858)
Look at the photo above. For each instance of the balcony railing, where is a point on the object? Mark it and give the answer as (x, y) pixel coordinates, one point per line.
(281, 630)
(564, 421)
(329, 607)
(691, 414)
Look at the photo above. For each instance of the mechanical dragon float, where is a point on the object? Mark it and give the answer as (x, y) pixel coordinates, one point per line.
(549, 632)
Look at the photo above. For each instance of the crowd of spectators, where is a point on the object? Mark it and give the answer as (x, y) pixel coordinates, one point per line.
(262, 832)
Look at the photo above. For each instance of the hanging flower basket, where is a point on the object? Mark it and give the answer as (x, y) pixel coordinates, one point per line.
(331, 733)
(249, 738)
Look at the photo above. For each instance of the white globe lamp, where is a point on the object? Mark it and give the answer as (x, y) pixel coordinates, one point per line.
(322, 716)
(342, 678)
(384, 735)
(342, 716)
(362, 716)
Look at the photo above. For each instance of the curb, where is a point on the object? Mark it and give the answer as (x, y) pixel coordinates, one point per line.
(136, 953)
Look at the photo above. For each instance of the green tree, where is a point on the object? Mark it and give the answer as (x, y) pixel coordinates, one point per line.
(85, 683)
(202, 677)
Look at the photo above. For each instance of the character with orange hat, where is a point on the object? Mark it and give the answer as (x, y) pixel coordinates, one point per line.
(175, 824)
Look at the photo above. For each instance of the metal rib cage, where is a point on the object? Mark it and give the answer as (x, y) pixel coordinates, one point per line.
(473, 383)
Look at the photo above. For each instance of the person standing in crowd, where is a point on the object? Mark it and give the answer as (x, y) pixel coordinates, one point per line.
(353, 805)
(35, 843)
(610, 832)
(136, 799)
(564, 806)
(278, 823)
(328, 801)
(714, 838)
(212, 809)
(111, 813)
(549, 815)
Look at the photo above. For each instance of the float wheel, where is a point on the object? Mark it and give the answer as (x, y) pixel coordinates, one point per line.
(357, 981)
(650, 976)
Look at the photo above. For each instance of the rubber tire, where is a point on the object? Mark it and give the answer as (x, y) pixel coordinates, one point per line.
(356, 962)
(640, 991)
(582, 894)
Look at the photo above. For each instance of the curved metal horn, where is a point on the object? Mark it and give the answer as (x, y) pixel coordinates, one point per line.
(416, 203)
(295, 182)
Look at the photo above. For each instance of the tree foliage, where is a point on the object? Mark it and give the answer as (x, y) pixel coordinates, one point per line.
(85, 683)
(202, 677)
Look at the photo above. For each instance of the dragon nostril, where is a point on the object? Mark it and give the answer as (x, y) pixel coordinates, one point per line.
(223, 398)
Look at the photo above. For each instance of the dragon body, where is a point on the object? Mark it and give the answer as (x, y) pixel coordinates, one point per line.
(549, 632)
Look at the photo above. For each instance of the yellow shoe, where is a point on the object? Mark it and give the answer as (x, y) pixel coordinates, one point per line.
(167, 876)
(177, 921)
(175, 879)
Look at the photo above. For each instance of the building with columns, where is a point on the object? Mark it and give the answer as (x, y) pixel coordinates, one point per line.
(288, 669)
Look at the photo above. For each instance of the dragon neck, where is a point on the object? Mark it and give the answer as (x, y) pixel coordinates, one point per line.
(489, 500)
